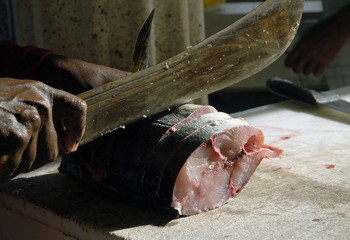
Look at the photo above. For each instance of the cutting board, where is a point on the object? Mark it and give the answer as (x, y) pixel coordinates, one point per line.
(303, 195)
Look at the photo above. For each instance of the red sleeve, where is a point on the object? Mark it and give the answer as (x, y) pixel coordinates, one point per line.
(20, 62)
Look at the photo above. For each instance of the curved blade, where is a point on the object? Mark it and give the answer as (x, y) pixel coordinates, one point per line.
(141, 52)
(229, 56)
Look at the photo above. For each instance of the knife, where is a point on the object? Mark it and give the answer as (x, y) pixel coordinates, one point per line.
(227, 57)
(289, 89)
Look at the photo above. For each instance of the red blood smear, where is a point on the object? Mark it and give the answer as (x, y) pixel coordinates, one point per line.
(330, 166)
(285, 138)
(276, 169)
(292, 188)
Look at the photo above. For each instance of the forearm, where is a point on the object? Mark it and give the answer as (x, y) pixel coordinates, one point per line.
(75, 75)
(65, 73)
(20, 62)
(62, 72)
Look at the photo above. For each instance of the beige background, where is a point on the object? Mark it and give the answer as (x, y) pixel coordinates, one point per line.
(104, 31)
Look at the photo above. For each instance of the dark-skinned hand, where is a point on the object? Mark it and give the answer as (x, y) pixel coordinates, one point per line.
(320, 45)
(37, 123)
(32, 112)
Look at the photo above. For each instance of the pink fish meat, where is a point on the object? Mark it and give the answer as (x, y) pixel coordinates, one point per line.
(219, 168)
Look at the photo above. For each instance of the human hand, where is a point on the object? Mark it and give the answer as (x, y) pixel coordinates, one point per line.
(74, 75)
(37, 122)
(318, 47)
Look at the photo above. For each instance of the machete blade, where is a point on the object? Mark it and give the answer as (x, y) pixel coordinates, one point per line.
(227, 57)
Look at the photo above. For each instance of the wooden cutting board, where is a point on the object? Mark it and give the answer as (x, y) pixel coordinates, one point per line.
(303, 195)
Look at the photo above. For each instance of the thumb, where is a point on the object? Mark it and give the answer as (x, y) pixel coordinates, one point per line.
(71, 110)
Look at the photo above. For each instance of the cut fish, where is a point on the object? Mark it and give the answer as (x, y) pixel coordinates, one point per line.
(189, 160)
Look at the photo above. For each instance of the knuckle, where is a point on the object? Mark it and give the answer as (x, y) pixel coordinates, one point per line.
(79, 105)
(32, 117)
(40, 96)
(36, 87)
(15, 135)
(39, 85)
(21, 138)
(83, 105)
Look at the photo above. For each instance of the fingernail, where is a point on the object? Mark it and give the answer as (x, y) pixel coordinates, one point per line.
(74, 147)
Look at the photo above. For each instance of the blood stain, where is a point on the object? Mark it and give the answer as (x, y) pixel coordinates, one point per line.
(330, 166)
(285, 138)
(276, 169)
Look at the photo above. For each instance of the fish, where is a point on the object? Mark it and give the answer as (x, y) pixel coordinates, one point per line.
(187, 160)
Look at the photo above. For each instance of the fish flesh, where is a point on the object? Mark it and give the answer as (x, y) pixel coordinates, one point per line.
(189, 160)
(220, 167)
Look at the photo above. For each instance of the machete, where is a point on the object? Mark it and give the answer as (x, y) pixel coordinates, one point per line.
(227, 57)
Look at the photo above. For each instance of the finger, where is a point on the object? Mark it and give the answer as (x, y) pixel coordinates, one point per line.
(60, 128)
(47, 142)
(4, 167)
(72, 110)
(75, 127)
(8, 165)
(14, 137)
(319, 70)
(296, 54)
(33, 122)
(43, 146)
(309, 68)
(299, 64)
(291, 58)
(28, 158)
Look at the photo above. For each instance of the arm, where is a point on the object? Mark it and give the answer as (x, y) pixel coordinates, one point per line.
(321, 44)
(32, 112)
(69, 74)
